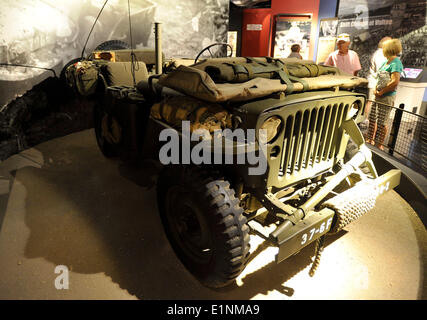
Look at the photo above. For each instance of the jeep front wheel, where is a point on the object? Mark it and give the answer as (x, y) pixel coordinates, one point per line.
(204, 224)
(107, 131)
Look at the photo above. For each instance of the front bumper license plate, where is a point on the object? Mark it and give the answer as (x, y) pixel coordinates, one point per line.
(304, 232)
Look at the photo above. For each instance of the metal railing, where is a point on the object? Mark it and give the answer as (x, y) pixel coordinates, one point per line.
(401, 133)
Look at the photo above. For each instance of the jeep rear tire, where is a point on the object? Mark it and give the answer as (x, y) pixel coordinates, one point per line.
(204, 224)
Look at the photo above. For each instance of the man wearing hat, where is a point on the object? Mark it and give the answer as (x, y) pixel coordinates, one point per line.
(343, 58)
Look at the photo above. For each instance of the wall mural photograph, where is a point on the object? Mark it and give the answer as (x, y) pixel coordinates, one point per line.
(369, 21)
(49, 33)
(327, 38)
(290, 32)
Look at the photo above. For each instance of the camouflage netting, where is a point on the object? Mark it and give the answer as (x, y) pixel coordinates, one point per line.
(241, 79)
(350, 208)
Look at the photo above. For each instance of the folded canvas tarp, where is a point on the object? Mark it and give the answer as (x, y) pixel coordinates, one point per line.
(197, 83)
(244, 69)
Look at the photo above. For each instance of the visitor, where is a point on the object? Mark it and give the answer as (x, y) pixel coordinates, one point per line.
(388, 77)
(295, 51)
(377, 61)
(344, 59)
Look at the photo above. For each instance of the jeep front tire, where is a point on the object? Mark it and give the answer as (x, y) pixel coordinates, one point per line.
(107, 130)
(204, 224)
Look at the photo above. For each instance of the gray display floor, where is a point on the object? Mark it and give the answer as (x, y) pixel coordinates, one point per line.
(62, 203)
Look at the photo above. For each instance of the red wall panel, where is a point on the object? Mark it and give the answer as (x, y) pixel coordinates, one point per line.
(255, 42)
(259, 43)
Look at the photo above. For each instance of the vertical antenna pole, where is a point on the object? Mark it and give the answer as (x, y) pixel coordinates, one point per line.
(158, 44)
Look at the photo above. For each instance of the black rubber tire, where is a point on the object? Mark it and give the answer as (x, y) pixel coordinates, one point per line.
(108, 150)
(223, 249)
(112, 45)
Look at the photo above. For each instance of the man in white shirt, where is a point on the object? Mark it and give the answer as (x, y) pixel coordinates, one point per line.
(343, 58)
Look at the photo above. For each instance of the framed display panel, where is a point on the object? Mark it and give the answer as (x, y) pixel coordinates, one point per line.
(327, 38)
(232, 41)
(290, 29)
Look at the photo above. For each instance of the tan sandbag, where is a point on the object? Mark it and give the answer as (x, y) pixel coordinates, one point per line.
(202, 115)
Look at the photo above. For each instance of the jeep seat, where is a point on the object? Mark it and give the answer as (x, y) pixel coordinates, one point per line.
(156, 91)
(120, 73)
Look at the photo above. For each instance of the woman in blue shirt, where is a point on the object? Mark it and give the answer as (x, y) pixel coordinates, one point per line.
(385, 93)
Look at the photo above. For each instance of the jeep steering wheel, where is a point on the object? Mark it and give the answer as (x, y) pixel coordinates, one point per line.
(208, 48)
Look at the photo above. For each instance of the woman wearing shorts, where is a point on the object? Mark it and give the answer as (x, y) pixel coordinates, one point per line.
(385, 92)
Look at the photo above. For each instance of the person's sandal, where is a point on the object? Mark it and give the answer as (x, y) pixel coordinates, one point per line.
(370, 141)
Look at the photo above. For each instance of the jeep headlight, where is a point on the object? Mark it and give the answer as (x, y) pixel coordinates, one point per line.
(272, 127)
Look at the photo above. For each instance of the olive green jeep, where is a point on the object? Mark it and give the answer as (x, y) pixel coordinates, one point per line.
(317, 175)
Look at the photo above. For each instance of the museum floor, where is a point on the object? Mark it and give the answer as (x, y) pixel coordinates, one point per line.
(62, 203)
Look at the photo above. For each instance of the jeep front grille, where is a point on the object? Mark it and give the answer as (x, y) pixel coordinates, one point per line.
(310, 137)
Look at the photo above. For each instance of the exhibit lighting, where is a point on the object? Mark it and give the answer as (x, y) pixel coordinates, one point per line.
(46, 19)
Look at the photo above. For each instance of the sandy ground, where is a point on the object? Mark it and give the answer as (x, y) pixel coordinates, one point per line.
(62, 203)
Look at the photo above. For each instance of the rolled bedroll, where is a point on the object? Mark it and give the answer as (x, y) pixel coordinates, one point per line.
(241, 79)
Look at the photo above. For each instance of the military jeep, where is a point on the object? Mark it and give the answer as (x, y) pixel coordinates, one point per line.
(319, 175)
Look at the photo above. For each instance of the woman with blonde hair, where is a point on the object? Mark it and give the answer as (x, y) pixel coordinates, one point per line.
(388, 78)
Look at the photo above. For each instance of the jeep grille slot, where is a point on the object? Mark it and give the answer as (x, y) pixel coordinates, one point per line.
(310, 137)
